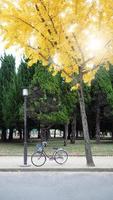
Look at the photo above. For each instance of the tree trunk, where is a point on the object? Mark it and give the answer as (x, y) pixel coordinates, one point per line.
(112, 136)
(3, 136)
(97, 125)
(28, 133)
(76, 134)
(88, 152)
(69, 130)
(55, 133)
(43, 134)
(47, 134)
(73, 132)
(66, 134)
(112, 133)
(20, 133)
(10, 135)
(39, 131)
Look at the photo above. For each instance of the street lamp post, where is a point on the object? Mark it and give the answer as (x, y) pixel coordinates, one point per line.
(25, 95)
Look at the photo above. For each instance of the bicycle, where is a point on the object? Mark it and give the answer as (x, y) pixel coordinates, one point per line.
(39, 157)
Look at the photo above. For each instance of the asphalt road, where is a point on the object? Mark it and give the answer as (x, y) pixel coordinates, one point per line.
(56, 186)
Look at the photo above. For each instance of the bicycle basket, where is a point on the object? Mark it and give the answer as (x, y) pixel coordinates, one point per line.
(39, 148)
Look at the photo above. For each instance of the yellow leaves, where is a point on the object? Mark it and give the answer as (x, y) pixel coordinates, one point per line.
(75, 69)
(66, 27)
(106, 65)
(75, 87)
(65, 75)
(70, 70)
(67, 79)
(87, 77)
(54, 73)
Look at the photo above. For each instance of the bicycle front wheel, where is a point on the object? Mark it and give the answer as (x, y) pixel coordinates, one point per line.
(38, 159)
(61, 156)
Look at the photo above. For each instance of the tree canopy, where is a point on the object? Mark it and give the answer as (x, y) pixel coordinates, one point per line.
(50, 98)
(7, 73)
(65, 33)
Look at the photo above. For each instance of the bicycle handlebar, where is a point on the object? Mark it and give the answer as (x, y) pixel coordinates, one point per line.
(44, 144)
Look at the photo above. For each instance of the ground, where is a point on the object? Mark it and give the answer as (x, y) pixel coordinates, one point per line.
(105, 148)
(56, 186)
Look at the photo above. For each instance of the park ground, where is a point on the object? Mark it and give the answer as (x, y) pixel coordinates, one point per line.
(12, 156)
(105, 148)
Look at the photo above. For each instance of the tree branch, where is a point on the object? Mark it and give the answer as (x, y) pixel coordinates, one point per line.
(33, 27)
(38, 52)
(79, 48)
(49, 16)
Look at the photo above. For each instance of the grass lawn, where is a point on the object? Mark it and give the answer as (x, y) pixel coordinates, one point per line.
(16, 148)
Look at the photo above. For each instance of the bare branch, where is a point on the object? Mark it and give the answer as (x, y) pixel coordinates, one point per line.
(89, 70)
(79, 48)
(85, 62)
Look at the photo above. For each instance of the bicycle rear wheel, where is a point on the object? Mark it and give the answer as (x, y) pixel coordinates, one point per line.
(38, 159)
(61, 156)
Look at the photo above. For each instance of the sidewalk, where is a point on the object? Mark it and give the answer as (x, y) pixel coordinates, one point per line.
(74, 163)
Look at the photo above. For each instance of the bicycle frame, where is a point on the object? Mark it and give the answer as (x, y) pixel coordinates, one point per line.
(49, 156)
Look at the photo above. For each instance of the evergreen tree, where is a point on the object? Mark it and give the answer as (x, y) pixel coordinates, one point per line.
(51, 101)
(102, 97)
(11, 100)
(7, 72)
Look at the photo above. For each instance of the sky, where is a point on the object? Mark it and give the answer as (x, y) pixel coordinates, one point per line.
(15, 51)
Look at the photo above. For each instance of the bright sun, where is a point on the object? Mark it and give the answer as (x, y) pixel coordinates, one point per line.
(95, 44)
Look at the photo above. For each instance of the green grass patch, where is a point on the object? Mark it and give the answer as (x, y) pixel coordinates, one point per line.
(16, 148)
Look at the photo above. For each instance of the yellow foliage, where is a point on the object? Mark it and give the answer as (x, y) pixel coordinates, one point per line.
(75, 87)
(54, 73)
(78, 31)
(87, 77)
(67, 78)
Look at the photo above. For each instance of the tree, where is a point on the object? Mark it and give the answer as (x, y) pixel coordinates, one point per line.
(111, 73)
(7, 73)
(69, 34)
(51, 102)
(25, 74)
(1, 116)
(23, 80)
(102, 96)
(11, 100)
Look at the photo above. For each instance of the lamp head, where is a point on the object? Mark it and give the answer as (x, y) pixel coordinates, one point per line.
(25, 92)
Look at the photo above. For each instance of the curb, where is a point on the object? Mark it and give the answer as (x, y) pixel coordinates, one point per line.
(56, 170)
(70, 155)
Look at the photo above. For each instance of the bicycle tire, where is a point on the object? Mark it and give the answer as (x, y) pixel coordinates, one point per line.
(61, 156)
(38, 159)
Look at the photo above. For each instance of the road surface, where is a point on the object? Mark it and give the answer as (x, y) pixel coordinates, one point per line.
(56, 186)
